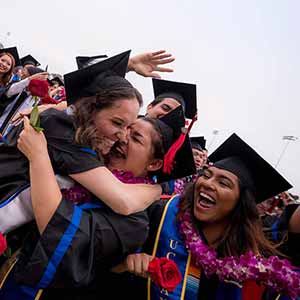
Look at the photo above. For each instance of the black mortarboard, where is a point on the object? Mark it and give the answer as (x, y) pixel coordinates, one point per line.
(34, 70)
(105, 74)
(29, 60)
(198, 142)
(171, 126)
(84, 61)
(55, 79)
(184, 93)
(14, 52)
(237, 157)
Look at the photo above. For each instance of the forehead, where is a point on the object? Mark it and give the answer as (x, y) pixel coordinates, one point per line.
(173, 103)
(143, 127)
(6, 57)
(223, 173)
(196, 151)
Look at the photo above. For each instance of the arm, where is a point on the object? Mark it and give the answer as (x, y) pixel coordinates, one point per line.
(18, 87)
(43, 182)
(122, 198)
(146, 64)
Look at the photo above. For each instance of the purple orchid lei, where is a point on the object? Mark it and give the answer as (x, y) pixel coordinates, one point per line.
(78, 194)
(127, 177)
(273, 272)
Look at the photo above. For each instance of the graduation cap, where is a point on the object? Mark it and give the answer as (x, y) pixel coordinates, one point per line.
(84, 61)
(14, 52)
(198, 142)
(237, 157)
(184, 93)
(34, 70)
(171, 126)
(29, 60)
(54, 80)
(89, 80)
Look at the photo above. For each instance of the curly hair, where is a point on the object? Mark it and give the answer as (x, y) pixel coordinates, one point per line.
(245, 230)
(6, 77)
(87, 107)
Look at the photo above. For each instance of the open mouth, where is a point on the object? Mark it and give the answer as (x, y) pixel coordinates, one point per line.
(206, 201)
(117, 151)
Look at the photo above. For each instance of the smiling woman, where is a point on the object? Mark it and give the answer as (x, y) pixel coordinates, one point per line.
(105, 105)
(213, 232)
(7, 64)
(110, 236)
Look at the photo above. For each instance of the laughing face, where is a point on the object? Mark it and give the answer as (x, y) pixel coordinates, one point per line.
(112, 123)
(5, 64)
(216, 195)
(136, 154)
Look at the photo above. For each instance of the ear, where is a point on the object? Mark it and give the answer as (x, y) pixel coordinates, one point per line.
(155, 165)
(150, 106)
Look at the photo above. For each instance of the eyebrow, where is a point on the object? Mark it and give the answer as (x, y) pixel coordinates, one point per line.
(220, 176)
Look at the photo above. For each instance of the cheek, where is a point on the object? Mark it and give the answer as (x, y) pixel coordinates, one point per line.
(104, 128)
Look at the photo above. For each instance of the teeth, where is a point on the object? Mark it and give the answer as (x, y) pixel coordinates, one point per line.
(203, 195)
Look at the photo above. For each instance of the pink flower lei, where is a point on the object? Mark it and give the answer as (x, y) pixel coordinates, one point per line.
(274, 273)
(78, 194)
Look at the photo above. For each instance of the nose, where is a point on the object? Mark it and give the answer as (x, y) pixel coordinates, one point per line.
(123, 135)
(209, 183)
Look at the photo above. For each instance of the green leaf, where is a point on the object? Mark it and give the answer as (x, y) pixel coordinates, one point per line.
(38, 129)
(34, 116)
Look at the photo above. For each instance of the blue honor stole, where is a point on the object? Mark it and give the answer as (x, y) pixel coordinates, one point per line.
(169, 243)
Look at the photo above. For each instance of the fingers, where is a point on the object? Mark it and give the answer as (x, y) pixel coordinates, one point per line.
(138, 264)
(160, 69)
(158, 52)
(163, 56)
(26, 123)
(163, 61)
(153, 75)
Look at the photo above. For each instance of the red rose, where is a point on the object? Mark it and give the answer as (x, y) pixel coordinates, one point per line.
(38, 87)
(165, 273)
(3, 244)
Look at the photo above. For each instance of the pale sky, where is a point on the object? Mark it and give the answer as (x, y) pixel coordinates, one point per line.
(243, 56)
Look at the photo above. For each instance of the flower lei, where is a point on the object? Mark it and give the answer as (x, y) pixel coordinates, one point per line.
(127, 177)
(277, 274)
(78, 194)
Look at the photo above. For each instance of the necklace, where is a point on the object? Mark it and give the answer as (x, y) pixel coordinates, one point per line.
(273, 272)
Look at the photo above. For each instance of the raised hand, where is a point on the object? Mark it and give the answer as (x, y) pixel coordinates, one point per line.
(146, 64)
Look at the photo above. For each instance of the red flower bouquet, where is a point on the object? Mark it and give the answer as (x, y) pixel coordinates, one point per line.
(164, 273)
(37, 88)
(3, 244)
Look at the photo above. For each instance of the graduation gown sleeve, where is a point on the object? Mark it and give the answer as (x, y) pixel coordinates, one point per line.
(66, 156)
(77, 245)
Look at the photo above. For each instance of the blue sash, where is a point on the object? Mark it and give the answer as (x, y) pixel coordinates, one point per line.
(169, 244)
(10, 290)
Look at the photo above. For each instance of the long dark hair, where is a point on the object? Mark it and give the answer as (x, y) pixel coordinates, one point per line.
(6, 77)
(86, 108)
(245, 230)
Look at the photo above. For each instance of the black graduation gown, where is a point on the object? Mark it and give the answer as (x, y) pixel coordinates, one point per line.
(102, 239)
(277, 230)
(66, 156)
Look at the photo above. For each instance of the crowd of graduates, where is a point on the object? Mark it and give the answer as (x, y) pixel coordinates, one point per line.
(91, 191)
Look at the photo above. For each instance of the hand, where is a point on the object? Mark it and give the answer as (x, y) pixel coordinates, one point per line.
(147, 63)
(31, 143)
(40, 76)
(138, 264)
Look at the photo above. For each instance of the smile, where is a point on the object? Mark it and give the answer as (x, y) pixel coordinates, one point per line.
(206, 201)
